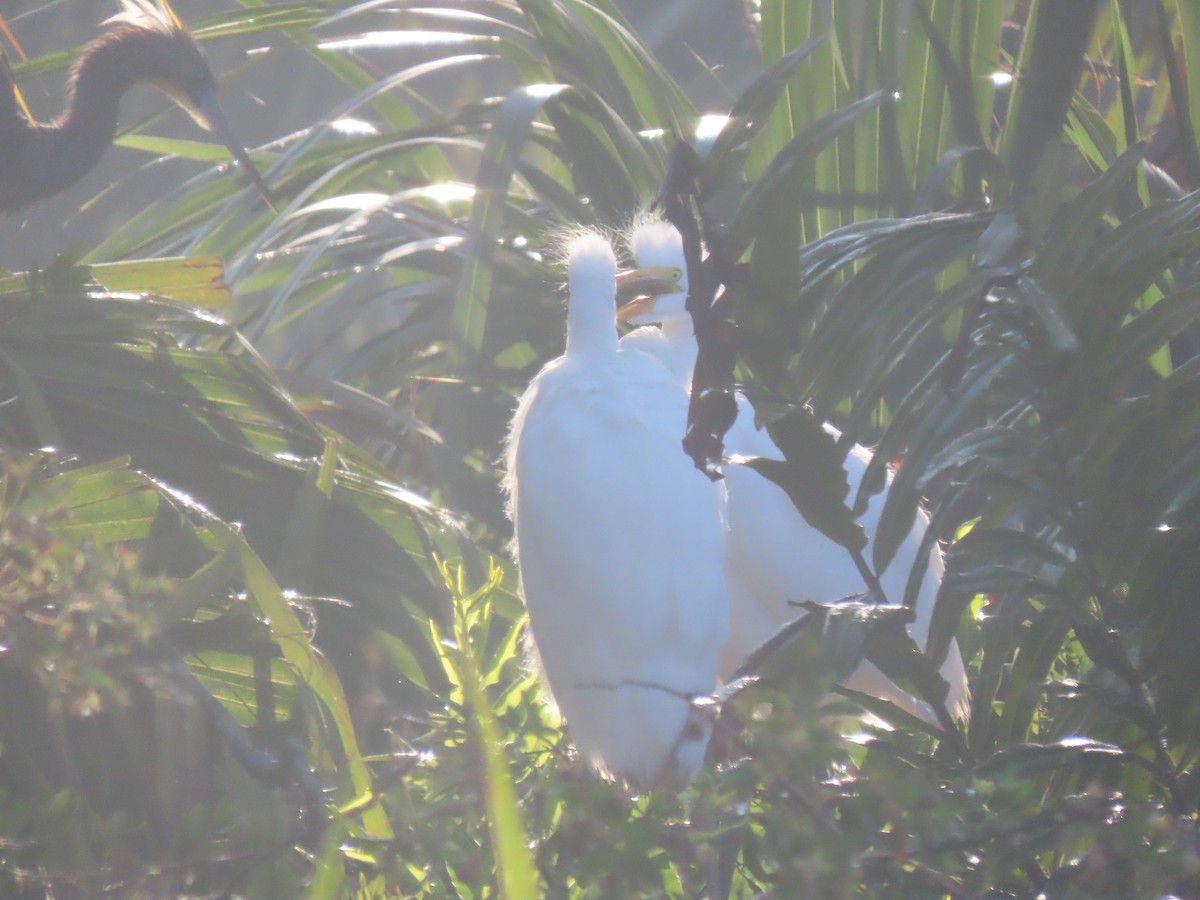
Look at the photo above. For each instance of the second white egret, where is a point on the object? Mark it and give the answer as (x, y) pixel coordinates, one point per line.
(618, 542)
(772, 556)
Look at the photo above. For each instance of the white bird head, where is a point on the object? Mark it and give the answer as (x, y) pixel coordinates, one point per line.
(593, 280)
(591, 263)
(657, 245)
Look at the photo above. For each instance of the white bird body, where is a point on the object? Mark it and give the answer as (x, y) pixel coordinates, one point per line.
(772, 556)
(618, 542)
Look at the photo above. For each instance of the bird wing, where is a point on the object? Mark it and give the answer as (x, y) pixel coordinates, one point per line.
(608, 508)
(678, 356)
(773, 556)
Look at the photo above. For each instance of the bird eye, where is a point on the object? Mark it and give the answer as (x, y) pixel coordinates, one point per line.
(676, 274)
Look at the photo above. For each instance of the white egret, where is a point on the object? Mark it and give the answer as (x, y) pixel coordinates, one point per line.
(772, 555)
(618, 542)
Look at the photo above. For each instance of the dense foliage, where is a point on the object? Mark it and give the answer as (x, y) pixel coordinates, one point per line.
(269, 537)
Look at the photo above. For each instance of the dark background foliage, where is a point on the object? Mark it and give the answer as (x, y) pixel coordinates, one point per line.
(269, 538)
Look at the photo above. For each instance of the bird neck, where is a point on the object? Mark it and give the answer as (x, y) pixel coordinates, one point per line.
(679, 328)
(96, 84)
(680, 336)
(75, 141)
(592, 319)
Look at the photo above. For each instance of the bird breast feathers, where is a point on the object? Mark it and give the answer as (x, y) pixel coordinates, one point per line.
(610, 514)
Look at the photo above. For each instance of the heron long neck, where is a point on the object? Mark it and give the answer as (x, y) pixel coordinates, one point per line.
(592, 317)
(52, 155)
(88, 122)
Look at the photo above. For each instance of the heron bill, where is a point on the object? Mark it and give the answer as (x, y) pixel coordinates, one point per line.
(650, 283)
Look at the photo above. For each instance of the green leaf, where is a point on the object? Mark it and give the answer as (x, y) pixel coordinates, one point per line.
(309, 666)
(1056, 36)
(812, 475)
(795, 160)
(515, 870)
(1025, 760)
(199, 281)
(752, 110)
(1077, 220)
(941, 419)
(307, 522)
(1036, 653)
(513, 122)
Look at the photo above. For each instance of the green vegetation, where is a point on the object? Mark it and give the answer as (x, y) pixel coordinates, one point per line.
(269, 536)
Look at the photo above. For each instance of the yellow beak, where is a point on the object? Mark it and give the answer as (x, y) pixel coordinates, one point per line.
(650, 282)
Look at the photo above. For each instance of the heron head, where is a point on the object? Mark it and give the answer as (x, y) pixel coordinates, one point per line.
(659, 291)
(158, 50)
(656, 246)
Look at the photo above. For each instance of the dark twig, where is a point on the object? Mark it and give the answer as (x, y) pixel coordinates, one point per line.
(712, 409)
(874, 587)
(286, 769)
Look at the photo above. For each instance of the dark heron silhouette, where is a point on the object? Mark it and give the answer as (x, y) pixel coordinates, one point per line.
(146, 45)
